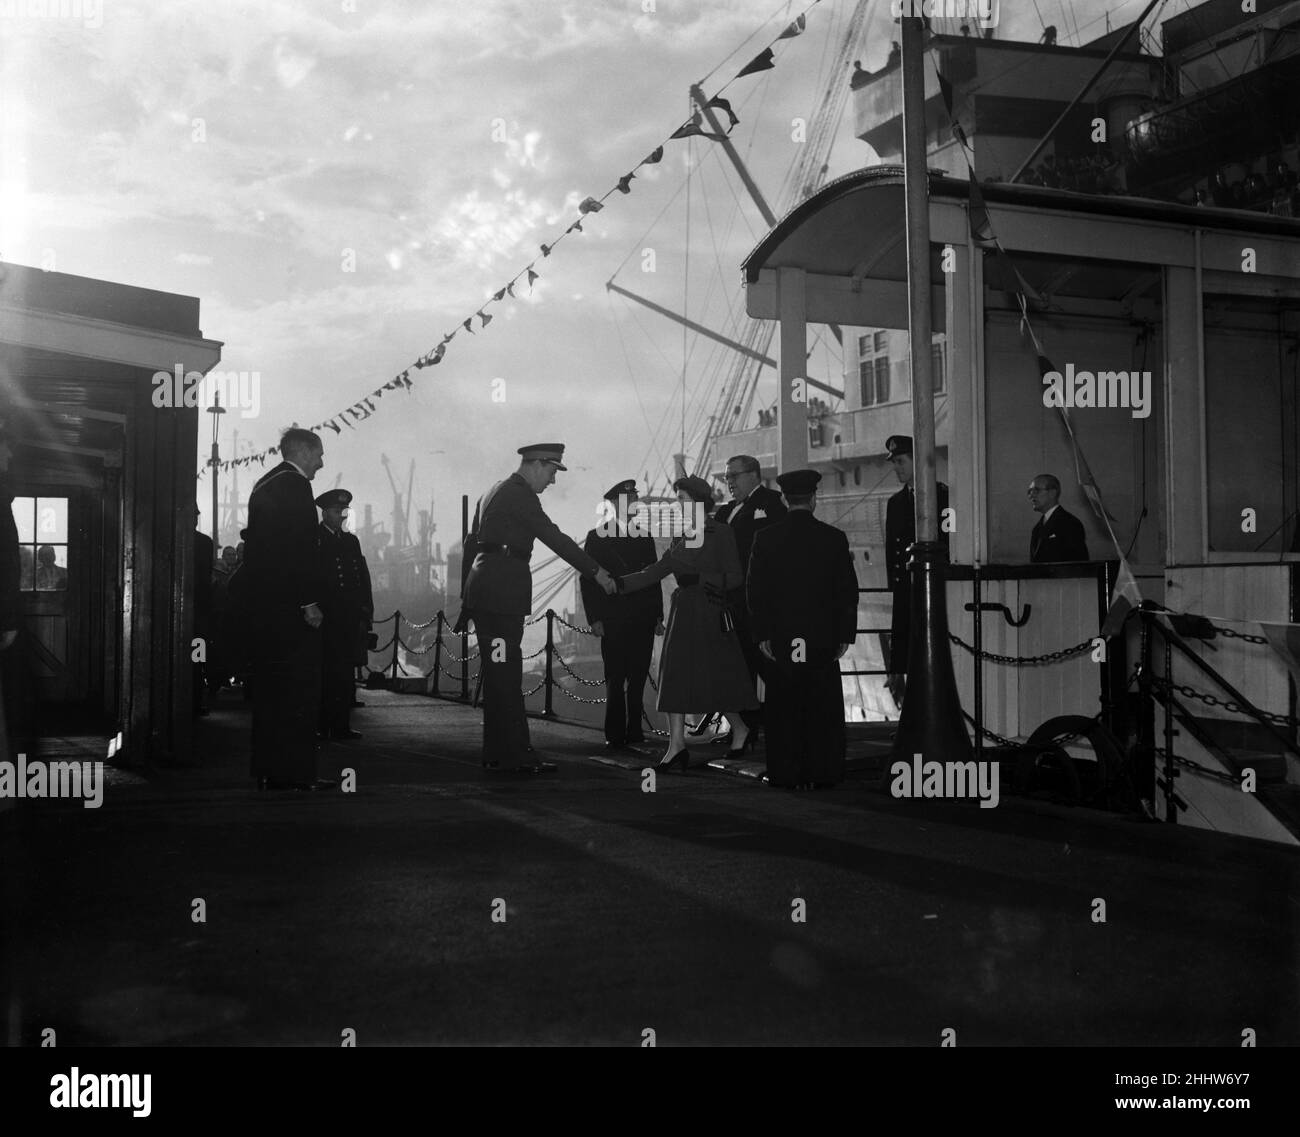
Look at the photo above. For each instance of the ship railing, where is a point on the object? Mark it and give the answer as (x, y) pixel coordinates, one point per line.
(1159, 686)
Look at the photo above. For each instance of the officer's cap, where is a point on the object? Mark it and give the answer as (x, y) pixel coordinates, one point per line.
(334, 499)
(897, 444)
(622, 489)
(798, 481)
(552, 452)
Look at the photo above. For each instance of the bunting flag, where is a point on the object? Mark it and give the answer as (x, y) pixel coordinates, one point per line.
(763, 61)
(1127, 596)
(725, 106)
(981, 225)
(359, 411)
(795, 29)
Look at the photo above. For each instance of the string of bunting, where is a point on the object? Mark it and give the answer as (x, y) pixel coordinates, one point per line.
(693, 127)
(983, 235)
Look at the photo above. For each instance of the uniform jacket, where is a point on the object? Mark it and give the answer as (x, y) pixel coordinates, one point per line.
(759, 510)
(1060, 538)
(345, 577)
(620, 556)
(280, 557)
(900, 532)
(802, 583)
(713, 563)
(511, 514)
(10, 564)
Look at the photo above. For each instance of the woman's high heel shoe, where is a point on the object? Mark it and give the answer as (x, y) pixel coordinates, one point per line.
(739, 751)
(679, 759)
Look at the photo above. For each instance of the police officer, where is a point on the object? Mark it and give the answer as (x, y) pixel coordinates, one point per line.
(900, 535)
(349, 607)
(498, 597)
(803, 610)
(627, 625)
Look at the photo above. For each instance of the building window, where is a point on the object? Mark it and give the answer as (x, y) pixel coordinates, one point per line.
(42, 524)
(841, 479)
(939, 364)
(881, 342)
(864, 344)
(873, 380)
(857, 475)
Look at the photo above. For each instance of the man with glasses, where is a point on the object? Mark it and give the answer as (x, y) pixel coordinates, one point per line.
(1059, 535)
(752, 508)
(900, 536)
(498, 597)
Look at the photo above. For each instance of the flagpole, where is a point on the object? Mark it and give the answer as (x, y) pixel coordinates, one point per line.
(931, 722)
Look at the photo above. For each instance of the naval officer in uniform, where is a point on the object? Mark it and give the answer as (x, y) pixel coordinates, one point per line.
(349, 607)
(802, 592)
(498, 596)
(626, 625)
(900, 536)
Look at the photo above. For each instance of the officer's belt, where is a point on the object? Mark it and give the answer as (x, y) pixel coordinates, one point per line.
(506, 551)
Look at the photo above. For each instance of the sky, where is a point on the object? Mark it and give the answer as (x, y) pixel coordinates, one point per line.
(342, 182)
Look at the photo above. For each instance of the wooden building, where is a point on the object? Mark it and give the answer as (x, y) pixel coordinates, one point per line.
(105, 480)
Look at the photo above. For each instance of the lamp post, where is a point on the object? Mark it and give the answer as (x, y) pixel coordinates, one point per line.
(215, 410)
(931, 723)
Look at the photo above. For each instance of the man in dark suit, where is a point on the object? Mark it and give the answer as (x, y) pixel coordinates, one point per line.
(348, 605)
(498, 597)
(752, 508)
(803, 610)
(284, 593)
(900, 536)
(1059, 535)
(627, 625)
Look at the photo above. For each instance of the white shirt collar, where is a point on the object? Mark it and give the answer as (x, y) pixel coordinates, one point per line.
(297, 467)
(1050, 512)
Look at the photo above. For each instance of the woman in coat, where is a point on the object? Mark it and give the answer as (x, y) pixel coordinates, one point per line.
(701, 665)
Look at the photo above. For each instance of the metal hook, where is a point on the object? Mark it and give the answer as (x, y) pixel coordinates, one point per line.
(1006, 612)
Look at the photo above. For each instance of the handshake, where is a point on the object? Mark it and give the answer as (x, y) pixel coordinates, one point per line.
(609, 583)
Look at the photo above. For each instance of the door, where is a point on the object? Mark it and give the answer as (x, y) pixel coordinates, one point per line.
(51, 591)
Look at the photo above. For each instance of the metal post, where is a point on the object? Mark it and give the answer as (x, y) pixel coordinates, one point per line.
(1171, 806)
(1146, 724)
(437, 652)
(397, 629)
(216, 410)
(931, 723)
(550, 651)
(464, 571)
(979, 666)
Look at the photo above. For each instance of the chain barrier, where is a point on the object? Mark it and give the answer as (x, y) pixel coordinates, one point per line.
(1026, 660)
(1230, 634)
(1196, 767)
(574, 627)
(1229, 705)
(579, 678)
(377, 650)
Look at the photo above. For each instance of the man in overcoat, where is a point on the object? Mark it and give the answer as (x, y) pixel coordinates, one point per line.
(284, 594)
(349, 606)
(803, 613)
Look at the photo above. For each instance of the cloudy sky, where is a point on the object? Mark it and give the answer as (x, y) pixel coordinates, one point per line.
(250, 154)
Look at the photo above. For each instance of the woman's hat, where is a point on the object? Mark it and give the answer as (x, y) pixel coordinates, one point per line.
(698, 488)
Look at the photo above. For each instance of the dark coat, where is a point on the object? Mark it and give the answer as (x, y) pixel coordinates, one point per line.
(900, 532)
(511, 514)
(202, 584)
(741, 516)
(281, 564)
(10, 562)
(802, 583)
(1060, 538)
(620, 556)
(345, 576)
